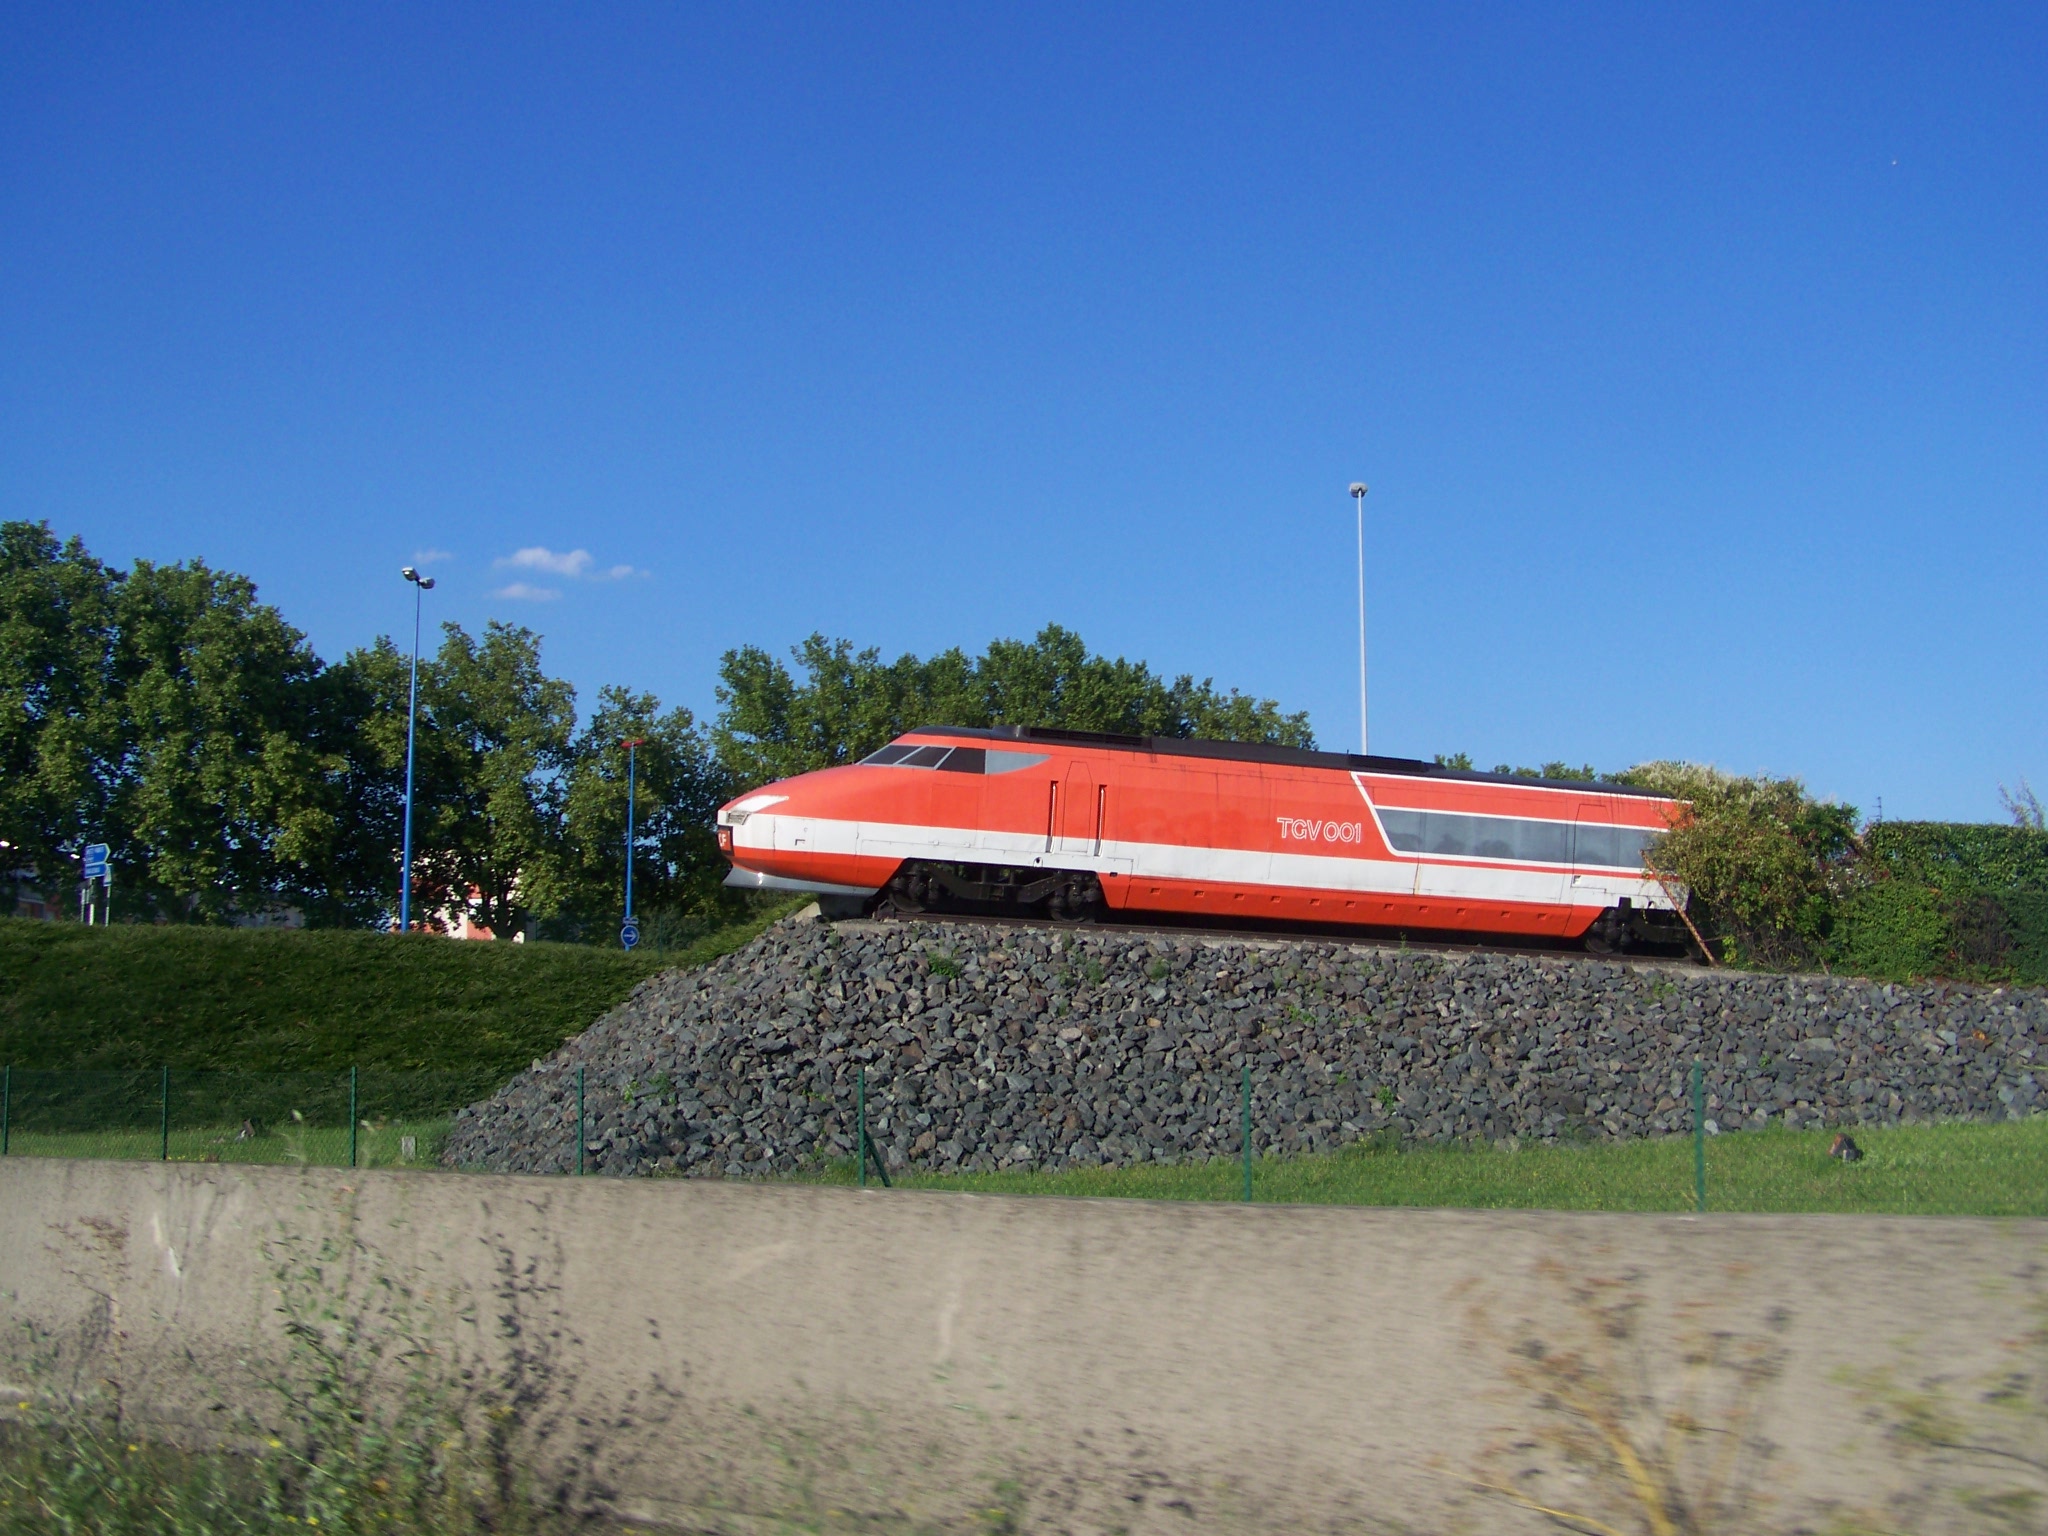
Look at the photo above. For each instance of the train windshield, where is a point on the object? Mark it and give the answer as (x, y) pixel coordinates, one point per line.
(904, 754)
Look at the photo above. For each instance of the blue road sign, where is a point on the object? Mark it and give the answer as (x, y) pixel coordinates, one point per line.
(95, 861)
(629, 933)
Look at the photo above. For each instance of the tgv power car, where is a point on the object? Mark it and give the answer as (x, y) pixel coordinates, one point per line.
(1066, 824)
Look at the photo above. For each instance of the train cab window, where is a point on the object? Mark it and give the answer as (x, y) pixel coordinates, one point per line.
(900, 754)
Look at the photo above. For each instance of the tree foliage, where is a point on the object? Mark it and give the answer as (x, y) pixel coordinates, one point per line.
(165, 712)
(773, 724)
(1767, 864)
(677, 788)
(168, 712)
(56, 732)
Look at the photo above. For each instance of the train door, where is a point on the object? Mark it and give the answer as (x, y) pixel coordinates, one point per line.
(1593, 840)
(1079, 811)
(1594, 856)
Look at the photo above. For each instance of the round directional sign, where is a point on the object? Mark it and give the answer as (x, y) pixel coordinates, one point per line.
(629, 933)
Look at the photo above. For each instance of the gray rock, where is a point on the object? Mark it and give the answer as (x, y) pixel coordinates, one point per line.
(1068, 1048)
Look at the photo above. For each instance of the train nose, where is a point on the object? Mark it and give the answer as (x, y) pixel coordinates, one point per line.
(734, 815)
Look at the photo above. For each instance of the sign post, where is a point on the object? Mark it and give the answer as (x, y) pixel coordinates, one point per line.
(629, 931)
(98, 866)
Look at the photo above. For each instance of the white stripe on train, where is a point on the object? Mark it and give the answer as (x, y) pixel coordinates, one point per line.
(1541, 886)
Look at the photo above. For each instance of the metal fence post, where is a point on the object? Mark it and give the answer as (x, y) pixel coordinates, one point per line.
(1247, 1137)
(164, 1118)
(579, 1122)
(860, 1123)
(1699, 1139)
(6, 1104)
(351, 1117)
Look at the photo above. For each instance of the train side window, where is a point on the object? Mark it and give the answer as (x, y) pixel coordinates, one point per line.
(895, 752)
(1486, 837)
(1597, 845)
(1613, 847)
(926, 757)
(966, 760)
(1000, 761)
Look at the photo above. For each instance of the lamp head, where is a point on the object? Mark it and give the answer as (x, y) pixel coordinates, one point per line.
(410, 574)
(426, 583)
(1358, 489)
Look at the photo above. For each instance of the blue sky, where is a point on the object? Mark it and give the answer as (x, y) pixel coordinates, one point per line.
(1697, 358)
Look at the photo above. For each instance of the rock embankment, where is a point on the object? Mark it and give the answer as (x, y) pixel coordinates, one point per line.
(1002, 1047)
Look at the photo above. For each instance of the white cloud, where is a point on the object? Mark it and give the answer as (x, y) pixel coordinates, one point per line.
(575, 564)
(430, 556)
(519, 591)
(540, 558)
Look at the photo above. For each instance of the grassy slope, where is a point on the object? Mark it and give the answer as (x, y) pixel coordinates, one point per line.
(75, 997)
(1979, 1170)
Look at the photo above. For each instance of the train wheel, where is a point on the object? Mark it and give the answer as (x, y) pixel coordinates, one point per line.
(1609, 934)
(904, 895)
(1075, 901)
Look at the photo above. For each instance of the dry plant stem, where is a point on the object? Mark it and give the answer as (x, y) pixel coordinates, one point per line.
(1652, 1469)
(1579, 1522)
(1678, 906)
(1642, 1482)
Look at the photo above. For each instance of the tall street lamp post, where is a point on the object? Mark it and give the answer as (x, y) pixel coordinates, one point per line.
(420, 584)
(1358, 495)
(629, 931)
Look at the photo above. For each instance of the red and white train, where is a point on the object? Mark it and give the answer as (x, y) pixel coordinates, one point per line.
(1067, 824)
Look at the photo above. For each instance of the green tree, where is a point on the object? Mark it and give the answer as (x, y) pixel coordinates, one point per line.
(167, 712)
(771, 725)
(363, 704)
(223, 788)
(1557, 768)
(678, 788)
(493, 751)
(58, 731)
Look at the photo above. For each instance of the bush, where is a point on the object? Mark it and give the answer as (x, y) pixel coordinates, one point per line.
(1952, 899)
(1767, 864)
(1893, 931)
(1961, 857)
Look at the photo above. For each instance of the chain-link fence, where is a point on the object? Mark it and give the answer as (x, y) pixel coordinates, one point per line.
(350, 1118)
(1255, 1134)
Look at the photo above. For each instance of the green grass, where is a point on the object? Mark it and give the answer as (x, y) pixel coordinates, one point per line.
(1919, 1170)
(377, 1145)
(138, 996)
(1926, 1170)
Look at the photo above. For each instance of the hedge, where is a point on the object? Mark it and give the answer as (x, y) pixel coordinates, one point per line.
(1947, 899)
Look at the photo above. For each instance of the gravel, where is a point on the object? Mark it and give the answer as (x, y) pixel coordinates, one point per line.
(1001, 1047)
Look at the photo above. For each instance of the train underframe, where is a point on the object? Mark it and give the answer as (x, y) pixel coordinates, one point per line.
(992, 890)
(935, 887)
